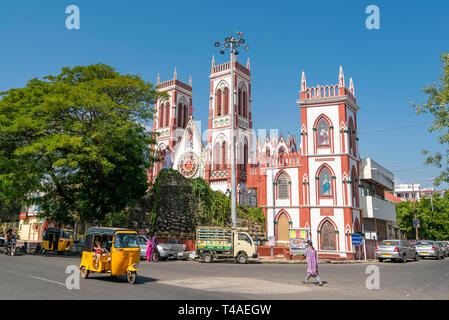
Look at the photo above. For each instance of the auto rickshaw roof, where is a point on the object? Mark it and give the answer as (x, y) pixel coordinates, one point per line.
(106, 231)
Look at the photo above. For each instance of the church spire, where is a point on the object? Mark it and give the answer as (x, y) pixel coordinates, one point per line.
(351, 86)
(213, 64)
(303, 82)
(175, 74)
(247, 65)
(190, 81)
(341, 78)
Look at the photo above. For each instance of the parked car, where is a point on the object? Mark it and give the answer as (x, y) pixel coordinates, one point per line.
(400, 250)
(444, 245)
(166, 250)
(429, 248)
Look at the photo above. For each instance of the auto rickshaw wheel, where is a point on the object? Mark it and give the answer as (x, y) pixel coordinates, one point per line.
(132, 277)
(66, 252)
(84, 273)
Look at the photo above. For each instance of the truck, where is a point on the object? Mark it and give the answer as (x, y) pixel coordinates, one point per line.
(224, 243)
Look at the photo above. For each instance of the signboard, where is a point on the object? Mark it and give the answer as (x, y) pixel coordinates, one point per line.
(356, 239)
(416, 223)
(23, 215)
(298, 240)
(272, 241)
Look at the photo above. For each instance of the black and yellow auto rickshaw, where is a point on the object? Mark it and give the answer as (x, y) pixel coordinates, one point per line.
(111, 251)
(57, 240)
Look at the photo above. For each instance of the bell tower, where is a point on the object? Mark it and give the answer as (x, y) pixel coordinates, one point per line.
(171, 115)
(218, 169)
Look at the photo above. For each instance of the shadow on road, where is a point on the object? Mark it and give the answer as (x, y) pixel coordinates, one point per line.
(122, 279)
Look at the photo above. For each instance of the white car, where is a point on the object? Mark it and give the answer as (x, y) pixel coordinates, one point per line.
(166, 250)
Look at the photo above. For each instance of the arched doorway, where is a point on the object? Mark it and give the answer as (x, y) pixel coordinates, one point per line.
(283, 228)
(328, 237)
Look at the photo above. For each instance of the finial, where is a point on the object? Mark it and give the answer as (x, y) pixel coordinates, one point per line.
(190, 80)
(158, 80)
(351, 86)
(303, 82)
(175, 73)
(247, 64)
(341, 78)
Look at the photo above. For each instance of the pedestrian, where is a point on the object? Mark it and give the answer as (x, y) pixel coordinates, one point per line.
(154, 244)
(312, 264)
(149, 248)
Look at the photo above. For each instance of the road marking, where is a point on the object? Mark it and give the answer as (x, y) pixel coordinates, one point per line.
(62, 284)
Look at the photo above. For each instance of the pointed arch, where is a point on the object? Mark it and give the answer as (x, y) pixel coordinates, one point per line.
(328, 235)
(282, 225)
(282, 186)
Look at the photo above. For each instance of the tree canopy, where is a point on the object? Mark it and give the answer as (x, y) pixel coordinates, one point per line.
(79, 140)
(437, 104)
(433, 215)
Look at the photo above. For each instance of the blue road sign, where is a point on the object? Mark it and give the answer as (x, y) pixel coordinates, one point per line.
(356, 239)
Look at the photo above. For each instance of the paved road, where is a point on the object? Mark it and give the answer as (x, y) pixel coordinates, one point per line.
(43, 277)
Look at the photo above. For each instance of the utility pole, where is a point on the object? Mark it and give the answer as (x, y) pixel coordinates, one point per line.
(414, 207)
(232, 44)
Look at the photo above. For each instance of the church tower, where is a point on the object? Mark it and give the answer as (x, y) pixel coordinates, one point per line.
(218, 168)
(329, 145)
(171, 115)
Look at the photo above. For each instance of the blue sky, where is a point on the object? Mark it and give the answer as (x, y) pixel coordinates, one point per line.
(389, 66)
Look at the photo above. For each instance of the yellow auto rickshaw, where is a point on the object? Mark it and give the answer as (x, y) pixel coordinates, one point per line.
(111, 251)
(57, 240)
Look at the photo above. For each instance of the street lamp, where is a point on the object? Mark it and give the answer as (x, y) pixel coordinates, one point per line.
(233, 43)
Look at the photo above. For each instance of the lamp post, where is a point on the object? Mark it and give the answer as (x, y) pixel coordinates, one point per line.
(232, 43)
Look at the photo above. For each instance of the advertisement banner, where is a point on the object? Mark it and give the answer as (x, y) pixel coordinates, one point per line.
(298, 240)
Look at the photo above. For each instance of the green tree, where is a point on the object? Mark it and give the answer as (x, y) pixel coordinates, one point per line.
(433, 214)
(79, 140)
(437, 104)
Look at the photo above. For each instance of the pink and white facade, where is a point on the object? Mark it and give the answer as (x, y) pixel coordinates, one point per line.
(317, 187)
(313, 186)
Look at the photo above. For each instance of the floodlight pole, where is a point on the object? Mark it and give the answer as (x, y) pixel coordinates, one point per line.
(232, 43)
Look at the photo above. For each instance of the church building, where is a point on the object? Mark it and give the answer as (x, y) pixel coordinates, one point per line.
(315, 186)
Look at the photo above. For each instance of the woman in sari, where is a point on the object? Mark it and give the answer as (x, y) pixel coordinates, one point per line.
(312, 263)
(149, 248)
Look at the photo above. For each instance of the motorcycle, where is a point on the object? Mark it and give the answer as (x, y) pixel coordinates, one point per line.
(11, 247)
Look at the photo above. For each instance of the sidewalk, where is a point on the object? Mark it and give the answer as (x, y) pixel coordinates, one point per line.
(321, 261)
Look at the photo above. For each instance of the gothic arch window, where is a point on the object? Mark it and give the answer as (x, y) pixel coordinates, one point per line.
(282, 187)
(352, 138)
(226, 100)
(245, 105)
(167, 115)
(325, 183)
(218, 102)
(161, 115)
(267, 152)
(328, 236)
(217, 156)
(240, 106)
(223, 155)
(354, 186)
(245, 155)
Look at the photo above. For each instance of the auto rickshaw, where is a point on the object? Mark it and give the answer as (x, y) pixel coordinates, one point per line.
(111, 251)
(57, 240)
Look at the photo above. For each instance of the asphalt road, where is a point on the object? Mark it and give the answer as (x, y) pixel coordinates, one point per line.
(43, 277)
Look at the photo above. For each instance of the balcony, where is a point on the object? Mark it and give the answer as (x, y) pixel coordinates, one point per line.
(374, 207)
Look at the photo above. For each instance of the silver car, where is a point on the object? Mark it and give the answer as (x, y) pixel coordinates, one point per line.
(166, 250)
(444, 245)
(429, 248)
(396, 250)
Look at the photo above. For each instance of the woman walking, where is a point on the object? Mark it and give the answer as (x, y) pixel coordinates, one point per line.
(312, 263)
(149, 248)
